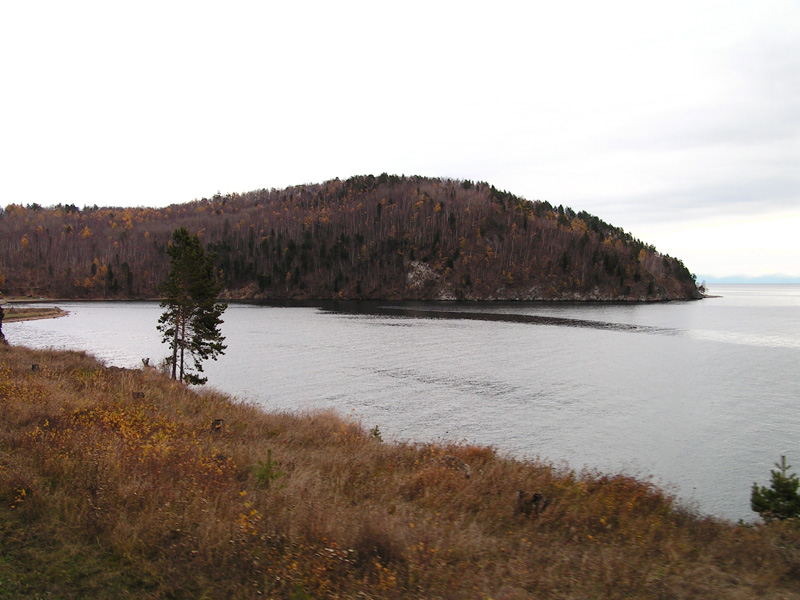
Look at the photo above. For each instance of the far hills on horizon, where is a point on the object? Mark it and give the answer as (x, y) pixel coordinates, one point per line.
(384, 237)
(775, 279)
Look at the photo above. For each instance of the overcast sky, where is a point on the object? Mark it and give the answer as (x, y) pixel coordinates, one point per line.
(677, 121)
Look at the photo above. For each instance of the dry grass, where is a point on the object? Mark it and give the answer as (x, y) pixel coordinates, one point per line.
(118, 483)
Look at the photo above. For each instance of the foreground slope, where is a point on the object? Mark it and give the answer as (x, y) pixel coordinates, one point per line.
(119, 483)
(384, 237)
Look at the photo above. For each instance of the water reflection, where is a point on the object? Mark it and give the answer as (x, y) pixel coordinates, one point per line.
(417, 311)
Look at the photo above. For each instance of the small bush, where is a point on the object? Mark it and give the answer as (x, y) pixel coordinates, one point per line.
(780, 501)
(267, 471)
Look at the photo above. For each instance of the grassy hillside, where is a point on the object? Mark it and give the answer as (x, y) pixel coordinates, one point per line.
(383, 237)
(119, 483)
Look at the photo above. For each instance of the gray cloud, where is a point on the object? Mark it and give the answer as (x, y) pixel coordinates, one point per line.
(708, 199)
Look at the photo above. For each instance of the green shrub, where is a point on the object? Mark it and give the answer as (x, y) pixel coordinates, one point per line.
(267, 472)
(780, 501)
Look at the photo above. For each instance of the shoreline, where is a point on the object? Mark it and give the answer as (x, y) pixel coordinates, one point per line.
(330, 301)
(16, 315)
(72, 427)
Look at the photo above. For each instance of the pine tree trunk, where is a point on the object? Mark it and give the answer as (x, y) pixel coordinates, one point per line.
(183, 343)
(175, 346)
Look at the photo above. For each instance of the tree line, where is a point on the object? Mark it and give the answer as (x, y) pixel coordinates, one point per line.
(369, 236)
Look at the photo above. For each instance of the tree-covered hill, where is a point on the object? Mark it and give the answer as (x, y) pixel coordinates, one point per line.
(385, 237)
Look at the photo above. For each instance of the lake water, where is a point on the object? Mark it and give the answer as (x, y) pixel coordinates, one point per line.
(701, 396)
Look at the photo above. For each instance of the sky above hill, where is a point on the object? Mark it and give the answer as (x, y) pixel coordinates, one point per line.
(677, 121)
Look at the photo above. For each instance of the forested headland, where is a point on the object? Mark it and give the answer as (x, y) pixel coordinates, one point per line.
(385, 237)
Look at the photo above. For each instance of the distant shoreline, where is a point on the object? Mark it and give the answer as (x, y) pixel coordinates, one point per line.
(14, 315)
(315, 301)
(754, 281)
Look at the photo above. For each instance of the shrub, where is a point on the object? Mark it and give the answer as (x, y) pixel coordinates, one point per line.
(780, 501)
(267, 472)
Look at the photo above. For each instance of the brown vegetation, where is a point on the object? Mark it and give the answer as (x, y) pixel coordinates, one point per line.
(116, 482)
(29, 313)
(383, 237)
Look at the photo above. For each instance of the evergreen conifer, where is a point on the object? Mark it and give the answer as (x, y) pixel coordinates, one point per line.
(781, 500)
(191, 321)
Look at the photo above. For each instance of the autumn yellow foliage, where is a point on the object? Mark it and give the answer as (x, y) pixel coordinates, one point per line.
(122, 483)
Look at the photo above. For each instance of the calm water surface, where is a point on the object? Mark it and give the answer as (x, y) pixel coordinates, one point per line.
(701, 396)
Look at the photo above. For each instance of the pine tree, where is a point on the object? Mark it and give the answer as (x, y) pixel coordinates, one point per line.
(781, 500)
(192, 316)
